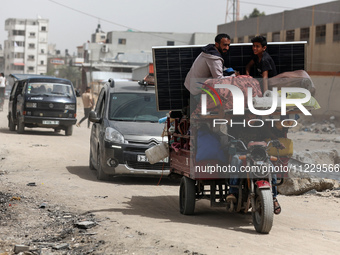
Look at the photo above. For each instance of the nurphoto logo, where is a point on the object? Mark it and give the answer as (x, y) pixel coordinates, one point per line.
(238, 100)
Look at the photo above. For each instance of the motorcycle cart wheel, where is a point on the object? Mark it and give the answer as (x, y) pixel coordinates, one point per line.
(187, 196)
(264, 211)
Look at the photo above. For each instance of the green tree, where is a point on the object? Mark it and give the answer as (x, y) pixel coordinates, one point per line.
(71, 73)
(254, 14)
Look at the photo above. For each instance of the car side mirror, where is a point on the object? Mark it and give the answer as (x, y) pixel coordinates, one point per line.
(93, 117)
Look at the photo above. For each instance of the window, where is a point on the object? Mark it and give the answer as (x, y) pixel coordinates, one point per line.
(43, 51)
(30, 57)
(43, 28)
(32, 34)
(121, 41)
(31, 68)
(304, 34)
(102, 37)
(18, 32)
(251, 37)
(170, 43)
(276, 37)
(31, 46)
(17, 68)
(18, 44)
(240, 39)
(320, 34)
(336, 32)
(290, 35)
(138, 107)
(42, 62)
(19, 55)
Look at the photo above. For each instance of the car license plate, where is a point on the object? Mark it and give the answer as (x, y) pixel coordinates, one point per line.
(50, 122)
(143, 158)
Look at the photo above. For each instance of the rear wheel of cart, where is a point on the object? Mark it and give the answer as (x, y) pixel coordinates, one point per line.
(264, 214)
(187, 196)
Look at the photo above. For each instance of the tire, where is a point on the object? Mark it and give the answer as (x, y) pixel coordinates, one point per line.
(69, 130)
(100, 173)
(11, 124)
(91, 166)
(187, 196)
(264, 215)
(21, 127)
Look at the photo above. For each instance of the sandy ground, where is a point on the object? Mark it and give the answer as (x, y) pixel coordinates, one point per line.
(135, 215)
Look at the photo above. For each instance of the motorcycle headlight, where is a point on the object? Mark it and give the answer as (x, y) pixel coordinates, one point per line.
(261, 171)
(71, 107)
(112, 135)
(31, 105)
(258, 154)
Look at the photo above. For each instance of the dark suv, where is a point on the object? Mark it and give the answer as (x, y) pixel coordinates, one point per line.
(41, 101)
(125, 124)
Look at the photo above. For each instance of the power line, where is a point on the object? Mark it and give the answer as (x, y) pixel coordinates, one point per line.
(269, 5)
(111, 22)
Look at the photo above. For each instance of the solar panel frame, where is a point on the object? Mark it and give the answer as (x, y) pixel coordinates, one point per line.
(172, 63)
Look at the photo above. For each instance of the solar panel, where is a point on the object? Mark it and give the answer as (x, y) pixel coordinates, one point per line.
(172, 63)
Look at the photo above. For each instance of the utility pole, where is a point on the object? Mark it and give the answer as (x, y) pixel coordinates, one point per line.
(233, 11)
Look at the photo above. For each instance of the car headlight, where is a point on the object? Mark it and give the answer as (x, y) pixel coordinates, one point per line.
(112, 135)
(70, 107)
(31, 105)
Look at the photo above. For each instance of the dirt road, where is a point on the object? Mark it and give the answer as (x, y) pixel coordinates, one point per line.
(134, 215)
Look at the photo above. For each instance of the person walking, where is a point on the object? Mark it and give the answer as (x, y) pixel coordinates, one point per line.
(88, 103)
(2, 90)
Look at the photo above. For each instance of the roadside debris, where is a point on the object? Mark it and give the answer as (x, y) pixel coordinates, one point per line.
(323, 127)
(51, 231)
(85, 224)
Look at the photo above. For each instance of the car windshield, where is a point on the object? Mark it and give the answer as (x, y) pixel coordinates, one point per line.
(49, 89)
(134, 107)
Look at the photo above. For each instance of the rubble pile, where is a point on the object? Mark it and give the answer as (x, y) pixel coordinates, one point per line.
(306, 175)
(30, 227)
(323, 127)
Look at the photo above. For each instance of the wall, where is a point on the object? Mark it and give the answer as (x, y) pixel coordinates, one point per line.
(320, 56)
(328, 96)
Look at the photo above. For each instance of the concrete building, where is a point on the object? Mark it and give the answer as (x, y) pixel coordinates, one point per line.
(135, 48)
(132, 41)
(2, 60)
(25, 50)
(319, 25)
(123, 51)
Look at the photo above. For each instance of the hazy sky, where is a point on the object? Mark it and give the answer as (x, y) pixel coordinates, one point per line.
(71, 22)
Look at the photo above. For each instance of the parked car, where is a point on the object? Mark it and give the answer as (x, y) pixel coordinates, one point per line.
(148, 80)
(125, 124)
(41, 101)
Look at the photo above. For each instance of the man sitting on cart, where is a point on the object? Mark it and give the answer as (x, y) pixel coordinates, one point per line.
(208, 64)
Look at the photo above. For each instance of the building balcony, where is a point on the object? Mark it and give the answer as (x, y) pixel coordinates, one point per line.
(17, 49)
(20, 38)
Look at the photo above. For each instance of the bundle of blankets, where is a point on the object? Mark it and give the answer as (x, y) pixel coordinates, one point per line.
(217, 96)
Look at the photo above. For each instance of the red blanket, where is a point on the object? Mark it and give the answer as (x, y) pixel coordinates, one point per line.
(243, 82)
